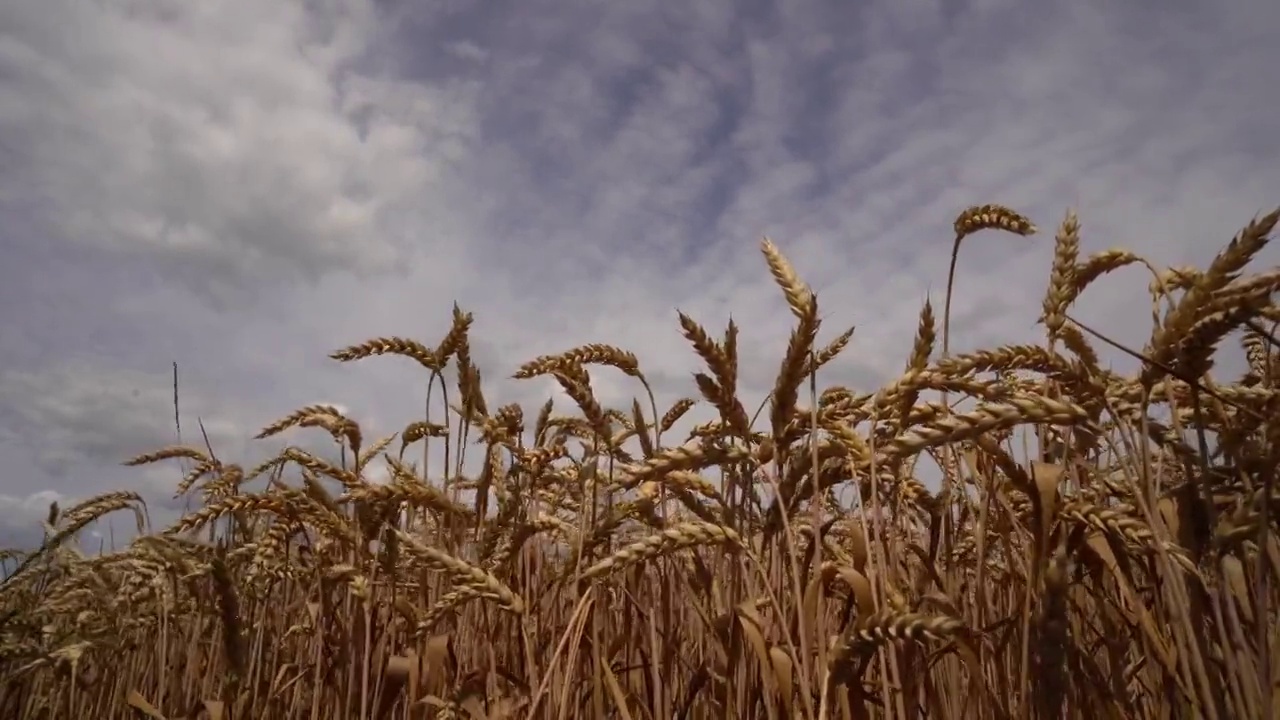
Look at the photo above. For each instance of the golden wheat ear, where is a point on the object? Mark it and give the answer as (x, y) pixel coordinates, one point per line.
(578, 566)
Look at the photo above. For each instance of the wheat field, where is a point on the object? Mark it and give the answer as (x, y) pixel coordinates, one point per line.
(1098, 546)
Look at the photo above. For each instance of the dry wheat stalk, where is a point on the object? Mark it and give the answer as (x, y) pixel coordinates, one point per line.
(799, 567)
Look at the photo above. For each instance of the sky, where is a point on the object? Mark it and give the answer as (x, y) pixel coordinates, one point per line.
(244, 187)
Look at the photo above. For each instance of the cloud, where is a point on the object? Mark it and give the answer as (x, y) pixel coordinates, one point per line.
(20, 518)
(219, 153)
(91, 414)
(244, 188)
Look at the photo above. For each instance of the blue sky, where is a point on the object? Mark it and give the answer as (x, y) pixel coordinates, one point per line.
(244, 187)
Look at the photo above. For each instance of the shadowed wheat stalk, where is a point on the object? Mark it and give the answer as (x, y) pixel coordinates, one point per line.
(1100, 545)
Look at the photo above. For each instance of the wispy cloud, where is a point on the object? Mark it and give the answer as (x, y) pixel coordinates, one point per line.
(244, 187)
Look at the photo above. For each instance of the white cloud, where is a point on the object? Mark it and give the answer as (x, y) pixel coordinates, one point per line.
(76, 416)
(225, 144)
(20, 517)
(244, 188)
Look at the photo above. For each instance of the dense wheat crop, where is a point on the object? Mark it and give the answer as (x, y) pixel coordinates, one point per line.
(1099, 545)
